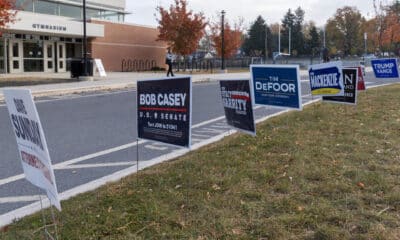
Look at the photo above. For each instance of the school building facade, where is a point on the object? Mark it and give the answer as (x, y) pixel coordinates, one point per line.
(47, 35)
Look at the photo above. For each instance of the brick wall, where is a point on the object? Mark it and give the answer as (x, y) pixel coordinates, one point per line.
(128, 46)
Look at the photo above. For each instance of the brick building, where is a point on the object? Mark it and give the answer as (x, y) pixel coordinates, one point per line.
(48, 34)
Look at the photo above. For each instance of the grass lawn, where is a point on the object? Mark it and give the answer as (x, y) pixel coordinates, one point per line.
(328, 172)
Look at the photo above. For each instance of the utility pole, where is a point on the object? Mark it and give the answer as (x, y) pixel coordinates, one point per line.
(85, 73)
(279, 39)
(266, 43)
(222, 41)
(290, 39)
(365, 43)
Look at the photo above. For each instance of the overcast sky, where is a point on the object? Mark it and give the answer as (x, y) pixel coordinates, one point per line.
(143, 12)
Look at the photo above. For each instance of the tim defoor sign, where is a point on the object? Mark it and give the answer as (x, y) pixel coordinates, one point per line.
(31, 142)
(164, 110)
(276, 85)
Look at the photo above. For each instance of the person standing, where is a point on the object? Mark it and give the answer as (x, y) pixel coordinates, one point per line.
(168, 61)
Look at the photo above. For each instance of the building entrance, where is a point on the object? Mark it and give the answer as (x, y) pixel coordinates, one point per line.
(61, 57)
(48, 59)
(15, 56)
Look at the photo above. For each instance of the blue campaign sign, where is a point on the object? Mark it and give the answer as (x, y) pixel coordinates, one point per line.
(385, 68)
(326, 79)
(276, 85)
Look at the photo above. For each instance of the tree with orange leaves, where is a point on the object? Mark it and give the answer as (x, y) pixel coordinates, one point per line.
(233, 38)
(391, 34)
(7, 12)
(181, 28)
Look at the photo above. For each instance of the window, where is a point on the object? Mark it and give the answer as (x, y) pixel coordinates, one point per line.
(16, 64)
(60, 51)
(46, 7)
(33, 50)
(24, 5)
(121, 17)
(49, 50)
(1, 49)
(70, 11)
(33, 65)
(93, 13)
(110, 15)
(15, 48)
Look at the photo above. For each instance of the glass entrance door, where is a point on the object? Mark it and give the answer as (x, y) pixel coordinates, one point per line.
(15, 60)
(3, 51)
(48, 57)
(61, 57)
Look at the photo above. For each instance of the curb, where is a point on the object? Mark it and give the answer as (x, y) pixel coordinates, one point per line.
(110, 87)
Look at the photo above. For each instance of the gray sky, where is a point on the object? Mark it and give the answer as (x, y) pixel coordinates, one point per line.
(143, 12)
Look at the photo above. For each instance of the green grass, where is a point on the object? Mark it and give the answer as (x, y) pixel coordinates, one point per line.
(328, 172)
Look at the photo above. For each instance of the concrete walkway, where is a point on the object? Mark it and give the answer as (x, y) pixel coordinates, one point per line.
(113, 81)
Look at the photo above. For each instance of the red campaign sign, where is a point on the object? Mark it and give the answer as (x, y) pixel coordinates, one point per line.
(361, 83)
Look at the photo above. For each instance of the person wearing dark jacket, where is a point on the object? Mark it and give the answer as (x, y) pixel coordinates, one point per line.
(168, 61)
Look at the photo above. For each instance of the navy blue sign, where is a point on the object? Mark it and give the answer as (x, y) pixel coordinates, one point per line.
(236, 99)
(350, 88)
(276, 85)
(326, 79)
(385, 68)
(164, 110)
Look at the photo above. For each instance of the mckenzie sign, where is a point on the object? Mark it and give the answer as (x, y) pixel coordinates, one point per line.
(326, 79)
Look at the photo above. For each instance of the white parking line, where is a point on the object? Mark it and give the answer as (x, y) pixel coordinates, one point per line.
(98, 154)
(21, 199)
(158, 148)
(97, 165)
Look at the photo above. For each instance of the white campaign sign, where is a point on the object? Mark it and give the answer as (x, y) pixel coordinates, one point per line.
(32, 146)
(100, 67)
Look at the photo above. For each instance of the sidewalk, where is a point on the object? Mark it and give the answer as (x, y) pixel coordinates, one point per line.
(113, 81)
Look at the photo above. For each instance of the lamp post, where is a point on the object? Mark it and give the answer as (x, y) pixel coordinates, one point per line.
(85, 73)
(365, 43)
(222, 41)
(266, 42)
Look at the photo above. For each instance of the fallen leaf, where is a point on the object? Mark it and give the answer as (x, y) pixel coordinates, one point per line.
(109, 209)
(216, 187)
(361, 185)
(236, 231)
